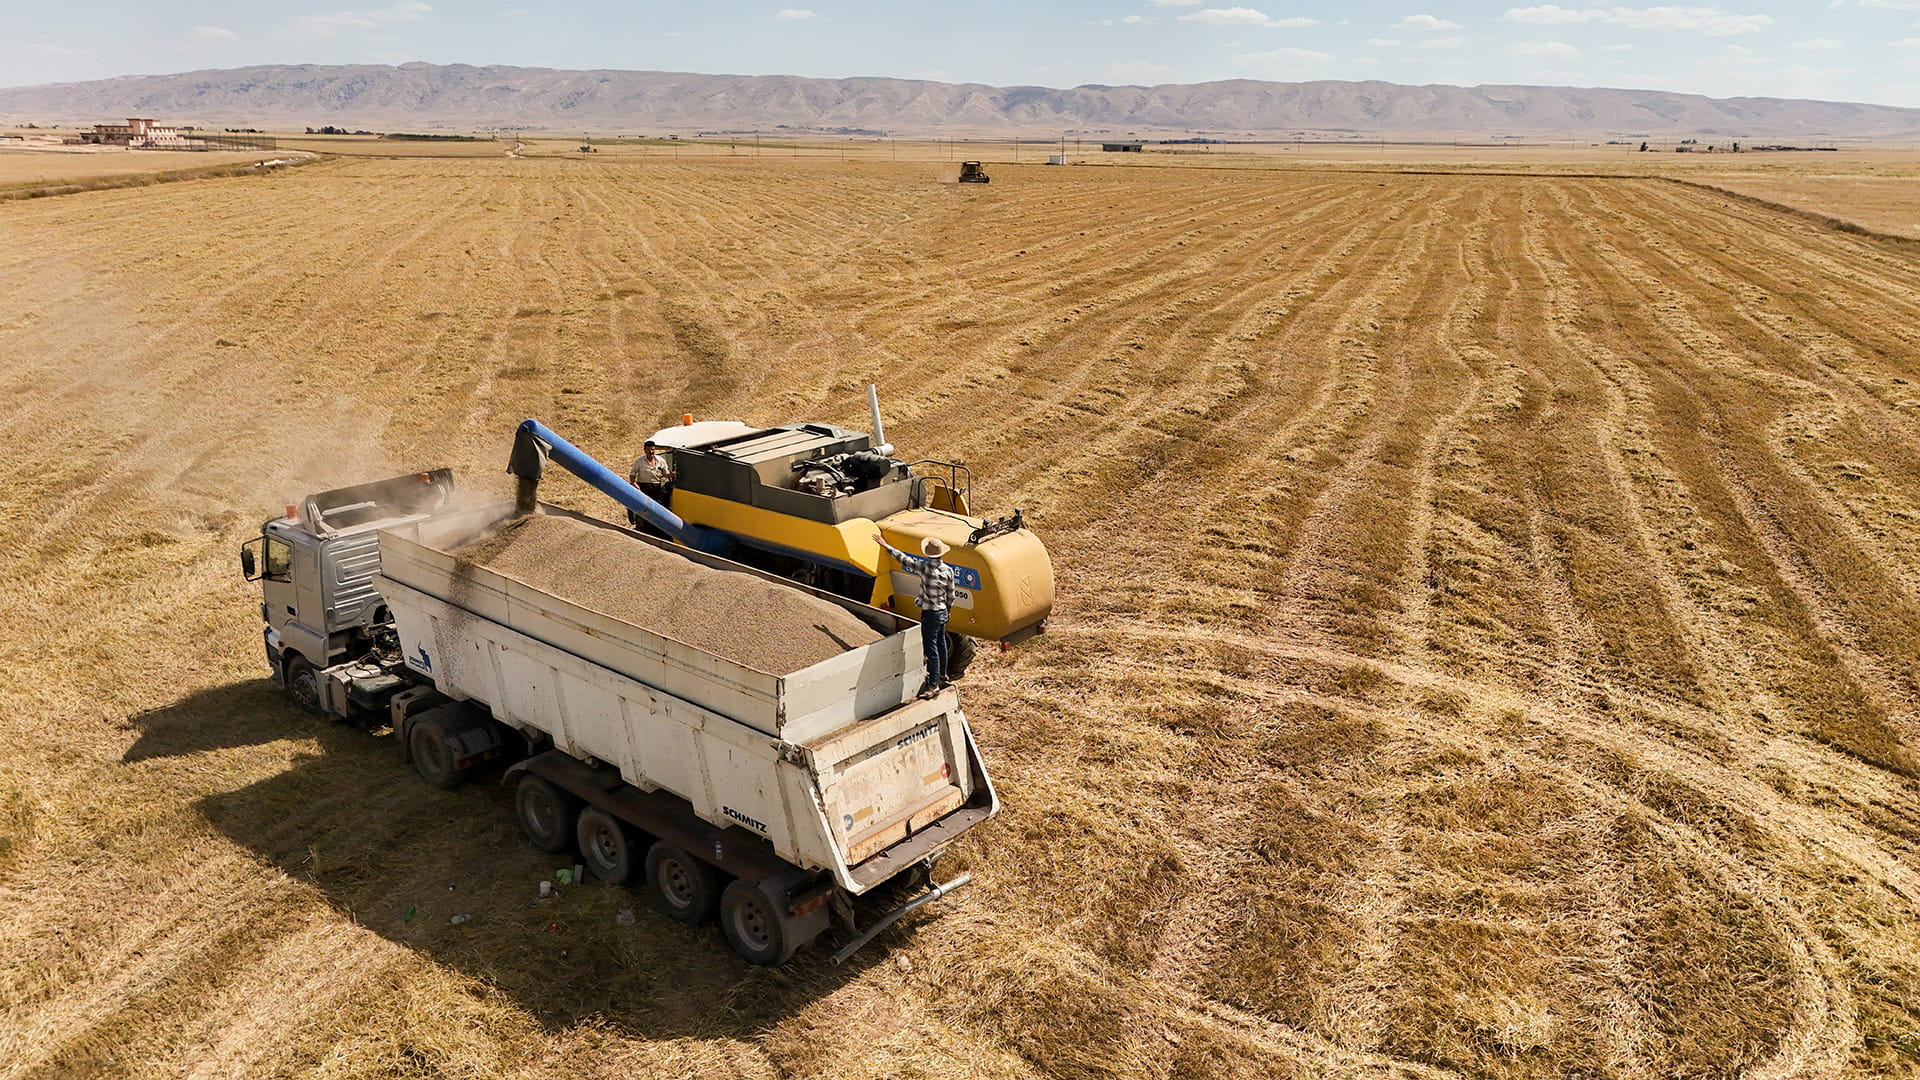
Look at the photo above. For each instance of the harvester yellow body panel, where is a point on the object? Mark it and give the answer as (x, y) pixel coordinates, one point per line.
(848, 542)
(1005, 583)
(806, 499)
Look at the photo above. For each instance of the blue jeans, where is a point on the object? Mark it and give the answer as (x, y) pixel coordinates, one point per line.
(933, 641)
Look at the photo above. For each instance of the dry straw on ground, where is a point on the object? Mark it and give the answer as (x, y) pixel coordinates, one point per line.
(1486, 640)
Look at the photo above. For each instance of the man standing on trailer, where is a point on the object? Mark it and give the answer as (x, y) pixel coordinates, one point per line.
(936, 599)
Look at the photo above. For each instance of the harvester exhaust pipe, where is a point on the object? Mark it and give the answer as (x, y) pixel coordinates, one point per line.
(880, 444)
(533, 443)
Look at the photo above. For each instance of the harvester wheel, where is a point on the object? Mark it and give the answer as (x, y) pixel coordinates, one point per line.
(606, 845)
(546, 814)
(683, 887)
(758, 930)
(960, 653)
(303, 684)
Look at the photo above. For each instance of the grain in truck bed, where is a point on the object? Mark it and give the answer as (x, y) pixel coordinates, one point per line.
(749, 621)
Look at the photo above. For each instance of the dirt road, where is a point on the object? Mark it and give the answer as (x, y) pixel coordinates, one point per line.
(1486, 644)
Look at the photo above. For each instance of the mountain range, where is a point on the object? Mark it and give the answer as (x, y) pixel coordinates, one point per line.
(429, 97)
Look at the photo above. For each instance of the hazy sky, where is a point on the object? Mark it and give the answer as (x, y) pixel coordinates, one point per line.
(1844, 50)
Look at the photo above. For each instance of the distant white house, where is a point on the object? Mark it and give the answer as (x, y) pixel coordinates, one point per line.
(136, 132)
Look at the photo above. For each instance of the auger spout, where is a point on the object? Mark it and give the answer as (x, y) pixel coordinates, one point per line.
(534, 443)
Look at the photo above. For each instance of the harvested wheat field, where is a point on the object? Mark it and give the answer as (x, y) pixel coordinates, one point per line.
(1486, 648)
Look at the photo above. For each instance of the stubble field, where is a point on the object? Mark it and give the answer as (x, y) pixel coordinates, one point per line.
(1486, 646)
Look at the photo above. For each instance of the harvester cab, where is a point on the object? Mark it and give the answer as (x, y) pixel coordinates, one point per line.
(804, 500)
(971, 172)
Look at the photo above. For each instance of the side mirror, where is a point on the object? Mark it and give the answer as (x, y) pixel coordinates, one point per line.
(249, 562)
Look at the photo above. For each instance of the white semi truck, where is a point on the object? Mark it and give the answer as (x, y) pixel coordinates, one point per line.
(770, 799)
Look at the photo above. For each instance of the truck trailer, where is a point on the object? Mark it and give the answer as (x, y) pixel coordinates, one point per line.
(770, 799)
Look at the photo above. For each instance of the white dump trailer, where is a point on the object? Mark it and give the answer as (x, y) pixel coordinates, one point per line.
(770, 799)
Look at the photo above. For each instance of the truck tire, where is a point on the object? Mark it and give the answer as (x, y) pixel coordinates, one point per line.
(961, 650)
(756, 927)
(303, 684)
(546, 814)
(433, 753)
(606, 846)
(683, 888)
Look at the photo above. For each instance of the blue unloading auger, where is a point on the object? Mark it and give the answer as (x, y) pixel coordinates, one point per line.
(533, 443)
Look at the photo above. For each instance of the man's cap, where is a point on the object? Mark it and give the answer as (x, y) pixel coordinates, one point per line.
(649, 445)
(932, 548)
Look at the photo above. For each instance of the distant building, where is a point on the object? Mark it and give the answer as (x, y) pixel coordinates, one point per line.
(136, 132)
(1121, 147)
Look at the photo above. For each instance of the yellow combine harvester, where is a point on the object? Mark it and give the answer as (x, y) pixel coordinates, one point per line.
(804, 500)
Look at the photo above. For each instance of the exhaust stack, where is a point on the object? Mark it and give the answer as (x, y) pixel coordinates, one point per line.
(880, 444)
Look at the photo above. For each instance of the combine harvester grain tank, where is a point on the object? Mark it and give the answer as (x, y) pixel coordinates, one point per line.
(771, 799)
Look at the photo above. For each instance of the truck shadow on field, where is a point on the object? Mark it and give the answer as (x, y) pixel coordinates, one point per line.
(403, 859)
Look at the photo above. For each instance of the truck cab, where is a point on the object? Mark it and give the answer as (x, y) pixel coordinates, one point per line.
(316, 566)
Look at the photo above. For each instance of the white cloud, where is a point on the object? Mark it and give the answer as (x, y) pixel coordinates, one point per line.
(1894, 5)
(1818, 43)
(1135, 20)
(1285, 55)
(1384, 42)
(327, 23)
(1665, 17)
(1453, 42)
(1099, 22)
(1241, 16)
(1907, 43)
(1617, 47)
(1541, 48)
(215, 33)
(1549, 15)
(1177, 3)
(1736, 50)
(1237, 16)
(1425, 22)
(797, 14)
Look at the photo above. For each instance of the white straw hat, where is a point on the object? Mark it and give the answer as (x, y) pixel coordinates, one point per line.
(932, 548)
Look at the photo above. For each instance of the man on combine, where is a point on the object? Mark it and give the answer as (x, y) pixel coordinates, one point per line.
(936, 597)
(652, 476)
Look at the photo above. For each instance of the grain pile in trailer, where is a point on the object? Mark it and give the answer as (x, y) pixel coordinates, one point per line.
(752, 622)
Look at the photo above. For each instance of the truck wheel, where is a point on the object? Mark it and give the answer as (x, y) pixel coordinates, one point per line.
(756, 929)
(432, 754)
(303, 684)
(606, 846)
(545, 813)
(960, 653)
(683, 887)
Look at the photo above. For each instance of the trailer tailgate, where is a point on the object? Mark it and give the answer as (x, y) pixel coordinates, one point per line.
(895, 776)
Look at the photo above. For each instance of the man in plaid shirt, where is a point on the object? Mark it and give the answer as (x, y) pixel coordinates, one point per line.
(936, 600)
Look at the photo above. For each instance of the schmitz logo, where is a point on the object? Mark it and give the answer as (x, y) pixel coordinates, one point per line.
(909, 739)
(742, 818)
